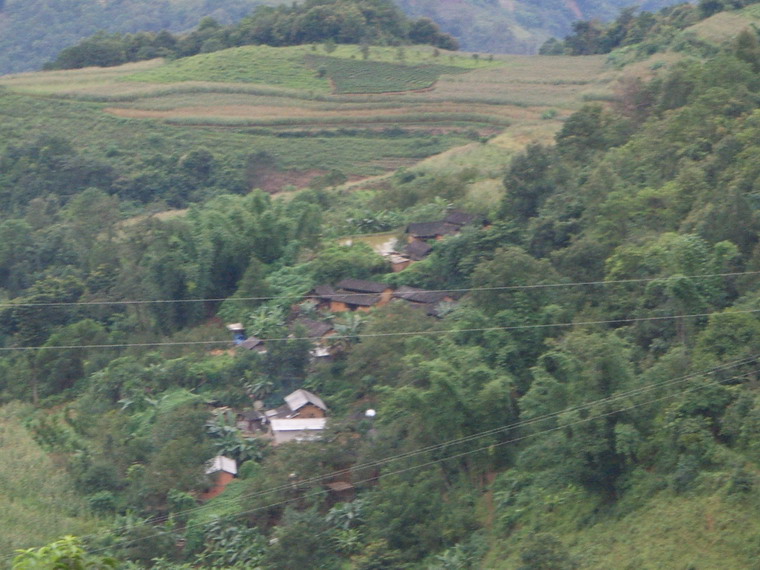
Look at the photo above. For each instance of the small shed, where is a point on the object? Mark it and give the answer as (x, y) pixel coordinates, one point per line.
(221, 470)
(238, 332)
(251, 420)
(341, 491)
(297, 429)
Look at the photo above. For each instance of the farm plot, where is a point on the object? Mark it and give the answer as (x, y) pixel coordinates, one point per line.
(249, 64)
(350, 76)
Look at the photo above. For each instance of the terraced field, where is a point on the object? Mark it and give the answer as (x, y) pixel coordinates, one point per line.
(313, 108)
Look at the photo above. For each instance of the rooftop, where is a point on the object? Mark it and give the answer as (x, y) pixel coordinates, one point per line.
(298, 424)
(418, 250)
(298, 399)
(221, 463)
(431, 229)
(362, 286)
(415, 295)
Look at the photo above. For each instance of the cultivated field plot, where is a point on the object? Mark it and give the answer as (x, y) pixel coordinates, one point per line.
(364, 112)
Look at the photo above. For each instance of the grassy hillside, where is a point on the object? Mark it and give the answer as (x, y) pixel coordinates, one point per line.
(38, 497)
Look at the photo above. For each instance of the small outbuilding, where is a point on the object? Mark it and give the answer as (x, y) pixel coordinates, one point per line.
(221, 470)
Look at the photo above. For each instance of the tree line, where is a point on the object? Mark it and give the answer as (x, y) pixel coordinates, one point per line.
(313, 21)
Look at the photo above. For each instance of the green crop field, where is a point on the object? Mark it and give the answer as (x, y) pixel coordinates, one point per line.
(353, 76)
(282, 67)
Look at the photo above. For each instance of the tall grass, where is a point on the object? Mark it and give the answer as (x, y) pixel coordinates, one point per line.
(39, 503)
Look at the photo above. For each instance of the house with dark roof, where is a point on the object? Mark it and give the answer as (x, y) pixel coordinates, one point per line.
(253, 343)
(418, 250)
(423, 299)
(318, 331)
(430, 230)
(352, 295)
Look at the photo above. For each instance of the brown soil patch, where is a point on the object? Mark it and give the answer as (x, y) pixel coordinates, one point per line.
(273, 181)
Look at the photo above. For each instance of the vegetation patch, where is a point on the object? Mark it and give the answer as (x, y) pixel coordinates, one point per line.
(352, 76)
(282, 67)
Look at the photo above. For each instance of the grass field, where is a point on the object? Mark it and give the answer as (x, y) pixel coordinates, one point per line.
(39, 503)
(725, 25)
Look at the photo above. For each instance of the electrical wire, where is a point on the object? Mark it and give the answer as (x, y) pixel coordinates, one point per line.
(377, 335)
(500, 429)
(473, 437)
(457, 291)
(426, 464)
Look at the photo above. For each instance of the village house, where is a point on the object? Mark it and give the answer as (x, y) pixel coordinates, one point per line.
(301, 418)
(299, 404)
(352, 295)
(422, 299)
(423, 231)
(319, 331)
(221, 471)
(285, 430)
(452, 224)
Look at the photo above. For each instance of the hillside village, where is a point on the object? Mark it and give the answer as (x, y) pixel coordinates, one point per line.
(366, 303)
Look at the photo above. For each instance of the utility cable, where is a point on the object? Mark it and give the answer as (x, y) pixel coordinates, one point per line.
(426, 464)
(486, 433)
(307, 295)
(386, 334)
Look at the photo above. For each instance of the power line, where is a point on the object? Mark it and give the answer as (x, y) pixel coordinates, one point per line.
(500, 429)
(486, 433)
(386, 334)
(306, 295)
(428, 463)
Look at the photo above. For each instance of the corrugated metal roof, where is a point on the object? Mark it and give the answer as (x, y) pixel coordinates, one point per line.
(298, 399)
(299, 424)
(221, 463)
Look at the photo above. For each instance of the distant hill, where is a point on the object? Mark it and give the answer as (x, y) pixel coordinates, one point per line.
(33, 32)
(516, 26)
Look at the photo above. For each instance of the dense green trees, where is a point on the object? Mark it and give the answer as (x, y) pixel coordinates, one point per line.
(313, 21)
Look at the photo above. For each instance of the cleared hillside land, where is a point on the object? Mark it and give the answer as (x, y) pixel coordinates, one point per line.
(359, 98)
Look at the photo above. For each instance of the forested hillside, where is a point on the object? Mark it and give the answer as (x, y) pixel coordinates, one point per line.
(538, 349)
(32, 32)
